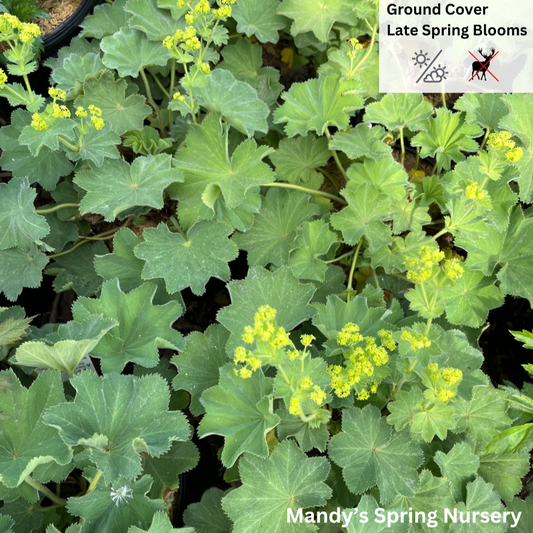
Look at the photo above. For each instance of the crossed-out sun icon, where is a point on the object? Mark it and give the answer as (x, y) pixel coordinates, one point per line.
(421, 58)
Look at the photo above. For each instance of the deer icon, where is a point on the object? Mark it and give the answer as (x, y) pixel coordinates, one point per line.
(478, 67)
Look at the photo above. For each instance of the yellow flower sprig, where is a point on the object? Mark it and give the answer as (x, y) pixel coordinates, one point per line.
(442, 383)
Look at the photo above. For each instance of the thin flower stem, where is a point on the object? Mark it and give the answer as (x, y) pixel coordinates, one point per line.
(336, 157)
(154, 105)
(402, 143)
(94, 482)
(68, 145)
(417, 158)
(443, 96)
(171, 90)
(428, 327)
(347, 254)
(28, 87)
(369, 50)
(53, 256)
(352, 270)
(484, 139)
(303, 189)
(46, 491)
(156, 79)
(55, 208)
(176, 224)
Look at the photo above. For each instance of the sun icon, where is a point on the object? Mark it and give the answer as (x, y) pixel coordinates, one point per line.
(421, 59)
(440, 72)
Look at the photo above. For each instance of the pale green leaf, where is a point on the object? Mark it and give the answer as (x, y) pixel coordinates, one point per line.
(409, 215)
(372, 453)
(260, 20)
(100, 513)
(190, 262)
(317, 104)
(296, 159)
(36, 139)
(65, 349)
(198, 365)
(19, 269)
(308, 437)
(207, 516)
(400, 110)
(509, 440)
(241, 411)
(24, 515)
(468, 303)
(118, 186)
(143, 327)
(118, 417)
(20, 225)
(273, 234)
(525, 507)
(364, 215)
(236, 101)
(155, 22)
(75, 70)
(6, 524)
(316, 240)
(216, 177)
(13, 324)
(23, 432)
(318, 17)
(505, 472)
(129, 51)
(61, 232)
(458, 466)
(288, 480)
(105, 20)
(280, 290)
(123, 264)
(161, 524)
(362, 141)
(122, 112)
(96, 146)
(485, 109)
(368, 505)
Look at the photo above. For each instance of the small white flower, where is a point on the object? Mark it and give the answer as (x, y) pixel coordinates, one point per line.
(121, 495)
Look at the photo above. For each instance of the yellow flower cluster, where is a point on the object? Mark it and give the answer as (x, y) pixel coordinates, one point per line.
(251, 362)
(187, 37)
(307, 340)
(57, 94)
(96, 119)
(12, 29)
(360, 361)
(446, 381)
(178, 96)
(474, 191)
(453, 269)
(416, 340)
(3, 77)
(355, 47)
(81, 112)
(502, 141)
(306, 389)
(38, 123)
(60, 111)
(421, 268)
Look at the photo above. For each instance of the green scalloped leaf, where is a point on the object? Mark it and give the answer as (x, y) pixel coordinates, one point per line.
(309, 15)
(122, 112)
(236, 101)
(505, 472)
(485, 109)
(260, 20)
(65, 349)
(458, 466)
(13, 324)
(362, 141)
(148, 17)
(448, 136)
(215, 177)
(241, 411)
(118, 417)
(187, 262)
(198, 364)
(207, 515)
(268, 491)
(296, 159)
(105, 20)
(367, 209)
(20, 225)
(274, 232)
(280, 290)
(317, 104)
(117, 186)
(24, 515)
(306, 436)
(143, 327)
(100, 513)
(129, 51)
(525, 507)
(95, 146)
(161, 524)
(37, 139)
(368, 505)
(75, 70)
(23, 431)
(19, 269)
(6, 524)
(372, 453)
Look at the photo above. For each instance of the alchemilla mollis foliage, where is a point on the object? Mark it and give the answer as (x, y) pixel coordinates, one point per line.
(345, 371)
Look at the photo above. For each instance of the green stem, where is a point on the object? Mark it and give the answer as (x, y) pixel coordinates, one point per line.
(347, 254)
(434, 170)
(69, 250)
(417, 158)
(171, 90)
(443, 96)
(176, 224)
(152, 102)
(428, 327)
(369, 50)
(484, 139)
(336, 157)
(46, 491)
(304, 189)
(329, 177)
(94, 482)
(402, 144)
(28, 87)
(55, 208)
(375, 277)
(68, 145)
(156, 79)
(352, 270)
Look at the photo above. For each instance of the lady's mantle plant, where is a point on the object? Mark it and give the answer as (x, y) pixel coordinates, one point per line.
(346, 371)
